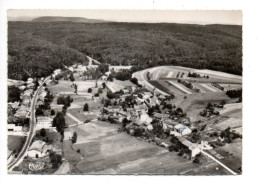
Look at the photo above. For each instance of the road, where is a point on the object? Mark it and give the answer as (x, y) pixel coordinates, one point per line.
(32, 130)
(218, 162)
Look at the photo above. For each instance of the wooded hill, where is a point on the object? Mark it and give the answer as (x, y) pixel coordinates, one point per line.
(37, 48)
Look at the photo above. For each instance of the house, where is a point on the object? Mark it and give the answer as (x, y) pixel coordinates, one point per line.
(145, 118)
(30, 86)
(26, 101)
(119, 68)
(67, 135)
(104, 77)
(39, 149)
(30, 80)
(193, 148)
(169, 124)
(22, 112)
(160, 116)
(44, 122)
(56, 72)
(14, 105)
(147, 95)
(12, 128)
(181, 129)
(113, 109)
(149, 126)
(22, 88)
(140, 108)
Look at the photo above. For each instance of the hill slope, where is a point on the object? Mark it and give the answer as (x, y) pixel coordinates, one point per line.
(65, 19)
(39, 47)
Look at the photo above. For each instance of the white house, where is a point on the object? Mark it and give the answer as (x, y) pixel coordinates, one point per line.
(67, 135)
(44, 122)
(12, 129)
(119, 68)
(182, 129)
(193, 148)
(29, 80)
(36, 149)
(56, 72)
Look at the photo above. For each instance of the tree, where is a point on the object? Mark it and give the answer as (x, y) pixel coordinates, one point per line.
(71, 77)
(85, 108)
(74, 137)
(134, 81)
(52, 112)
(104, 85)
(100, 90)
(38, 112)
(13, 94)
(89, 90)
(43, 132)
(96, 95)
(125, 121)
(59, 121)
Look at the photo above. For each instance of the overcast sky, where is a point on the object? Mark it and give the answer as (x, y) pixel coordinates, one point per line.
(170, 16)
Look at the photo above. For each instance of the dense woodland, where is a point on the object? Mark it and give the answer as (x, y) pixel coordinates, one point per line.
(37, 48)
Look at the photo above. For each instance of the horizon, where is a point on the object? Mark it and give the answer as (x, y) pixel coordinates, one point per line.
(201, 17)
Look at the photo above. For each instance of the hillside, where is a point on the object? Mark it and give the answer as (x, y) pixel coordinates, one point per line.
(65, 19)
(36, 48)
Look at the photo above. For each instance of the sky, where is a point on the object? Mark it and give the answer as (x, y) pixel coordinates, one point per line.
(233, 17)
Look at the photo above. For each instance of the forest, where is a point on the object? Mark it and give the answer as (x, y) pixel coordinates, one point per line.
(35, 49)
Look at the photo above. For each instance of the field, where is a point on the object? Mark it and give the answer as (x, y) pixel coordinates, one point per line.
(232, 110)
(15, 143)
(165, 79)
(105, 151)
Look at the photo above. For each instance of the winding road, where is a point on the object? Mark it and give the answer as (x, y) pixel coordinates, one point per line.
(32, 130)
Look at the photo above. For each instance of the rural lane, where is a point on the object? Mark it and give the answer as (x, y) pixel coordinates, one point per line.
(30, 136)
(218, 162)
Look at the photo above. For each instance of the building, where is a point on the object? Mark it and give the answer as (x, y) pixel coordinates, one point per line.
(44, 122)
(38, 149)
(22, 112)
(181, 129)
(104, 77)
(140, 108)
(12, 129)
(30, 80)
(160, 116)
(67, 135)
(169, 124)
(56, 72)
(193, 148)
(119, 68)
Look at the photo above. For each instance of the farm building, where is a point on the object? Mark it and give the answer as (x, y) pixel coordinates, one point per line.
(193, 148)
(119, 68)
(12, 129)
(181, 129)
(38, 149)
(44, 122)
(160, 116)
(169, 124)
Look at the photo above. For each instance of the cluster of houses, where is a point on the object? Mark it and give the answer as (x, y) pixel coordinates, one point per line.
(20, 110)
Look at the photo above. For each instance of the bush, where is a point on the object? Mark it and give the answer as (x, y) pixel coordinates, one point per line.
(96, 95)
(89, 90)
(85, 108)
(52, 112)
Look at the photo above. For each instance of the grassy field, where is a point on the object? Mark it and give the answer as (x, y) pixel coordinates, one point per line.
(105, 151)
(158, 85)
(15, 142)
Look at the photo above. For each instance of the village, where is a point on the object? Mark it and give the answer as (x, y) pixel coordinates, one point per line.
(79, 95)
